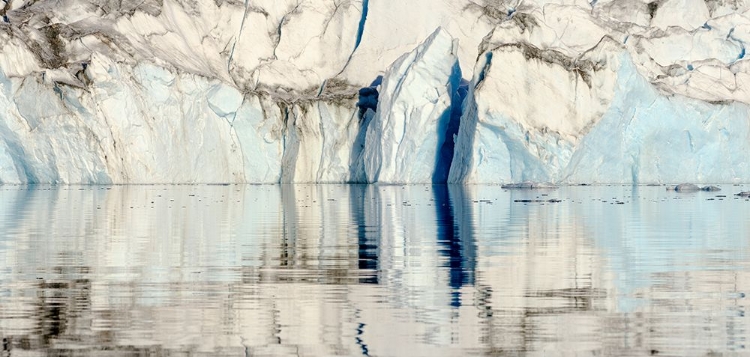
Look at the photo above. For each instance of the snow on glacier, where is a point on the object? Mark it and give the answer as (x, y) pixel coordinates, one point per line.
(267, 91)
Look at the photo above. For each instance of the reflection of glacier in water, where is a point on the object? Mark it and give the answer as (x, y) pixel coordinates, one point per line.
(371, 270)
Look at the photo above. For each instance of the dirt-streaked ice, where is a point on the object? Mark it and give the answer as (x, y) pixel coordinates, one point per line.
(267, 91)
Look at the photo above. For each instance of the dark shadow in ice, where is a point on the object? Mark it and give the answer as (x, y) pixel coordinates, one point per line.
(368, 98)
(291, 144)
(362, 22)
(468, 120)
(448, 125)
(652, 8)
(368, 106)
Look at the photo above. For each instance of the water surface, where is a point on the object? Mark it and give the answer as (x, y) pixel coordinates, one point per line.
(322, 270)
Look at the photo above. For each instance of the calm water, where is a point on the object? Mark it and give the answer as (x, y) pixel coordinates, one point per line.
(324, 270)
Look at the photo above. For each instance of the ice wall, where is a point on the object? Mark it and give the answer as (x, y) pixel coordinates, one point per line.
(285, 91)
(642, 136)
(577, 100)
(648, 137)
(149, 125)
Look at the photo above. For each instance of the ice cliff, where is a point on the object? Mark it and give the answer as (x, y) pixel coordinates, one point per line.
(465, 91)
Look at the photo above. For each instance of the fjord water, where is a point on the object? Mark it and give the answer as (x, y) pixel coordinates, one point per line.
(321, 270)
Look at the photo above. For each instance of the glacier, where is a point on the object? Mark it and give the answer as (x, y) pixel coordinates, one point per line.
(458, 91)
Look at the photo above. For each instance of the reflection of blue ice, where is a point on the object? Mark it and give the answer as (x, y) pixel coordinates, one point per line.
(457, 248)
(662, 232)
(654, 232)
(218, 239)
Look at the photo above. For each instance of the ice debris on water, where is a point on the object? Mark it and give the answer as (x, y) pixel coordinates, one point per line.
(529, 186)
(689, 187)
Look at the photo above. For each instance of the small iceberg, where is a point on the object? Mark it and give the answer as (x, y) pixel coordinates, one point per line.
(689, 187)
(529, 186)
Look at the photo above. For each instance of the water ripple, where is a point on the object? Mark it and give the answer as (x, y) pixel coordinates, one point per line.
(254, 270)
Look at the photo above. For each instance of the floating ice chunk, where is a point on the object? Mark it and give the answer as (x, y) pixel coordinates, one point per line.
(529, 186)
(685, 187)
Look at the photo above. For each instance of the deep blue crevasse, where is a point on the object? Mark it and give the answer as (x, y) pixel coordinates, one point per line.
(362, 21)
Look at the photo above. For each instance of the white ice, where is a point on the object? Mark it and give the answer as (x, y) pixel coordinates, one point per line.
(266, 91)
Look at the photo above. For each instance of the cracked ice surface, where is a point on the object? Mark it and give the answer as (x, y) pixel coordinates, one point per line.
(267, 91)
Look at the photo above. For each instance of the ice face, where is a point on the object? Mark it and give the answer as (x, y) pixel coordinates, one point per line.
(648, 137)
(409, 129)
(282, 91)
(525, 113)
(319, 142)
(148, 125)
(642, 135)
